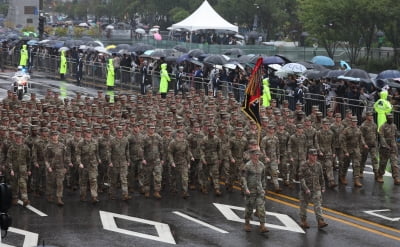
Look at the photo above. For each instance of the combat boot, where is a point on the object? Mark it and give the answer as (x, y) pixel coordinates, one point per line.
(112, 197)
(204, 190)
(50, 199)
(277, 190)
(332, 184)
(218, 192)
(157, 195)
(147, 194)
(83, 198)
(14, 201)
(95, 200)
(142, 191)
(397, 181)
(185, 195)
(357, 182)
(322, 223)
(60, 202)
(192, 187)
(26, 202)
(263, 228)
(343, 180)
(247, 226)
(304, 224)
(379, 179)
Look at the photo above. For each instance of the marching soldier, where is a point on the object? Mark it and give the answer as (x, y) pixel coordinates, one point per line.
(195, 138)
(270, 149)
(369, 130)
(237, 149)
(297, 151)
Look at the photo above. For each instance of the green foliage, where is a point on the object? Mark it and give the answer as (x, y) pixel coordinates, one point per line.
(177, 14)
(60, 31)
(29, 28)
(79, 31)
(4, 9)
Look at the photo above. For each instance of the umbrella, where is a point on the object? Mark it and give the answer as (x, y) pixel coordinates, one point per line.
(181, 48)
(123, 46)
(312, 74)
(83, 24)
(154, 30)
(111, 27)
(63, 49)
(196, 52)
(93, 44)
(275, 66)
(158, 53)
(215, 59)
(140, 48)
(87, 38)
(345, 65)
(357, 75)
(83, 47)
(182, 58)
(245, 59)
(388, 74)
(109, 47)
(32, 42)
(333, 74)
(157, 36)
(102, 50)
(234, 52)
(295, 68)
(273, 60)
(140, 30)
(323, 60)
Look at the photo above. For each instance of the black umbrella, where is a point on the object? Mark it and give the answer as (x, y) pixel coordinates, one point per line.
(234, 52)
(158, 53)
(333, 74)
(388, 74)
(357, 75)
(245, 59)
(181, 48)
(196, 52)
(123, 46)
(312, 74)
(142, 48)
(215, 59)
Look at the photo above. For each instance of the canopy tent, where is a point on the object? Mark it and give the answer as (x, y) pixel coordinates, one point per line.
(205, 17)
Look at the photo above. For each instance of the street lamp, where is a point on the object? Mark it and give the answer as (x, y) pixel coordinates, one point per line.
(304, 35)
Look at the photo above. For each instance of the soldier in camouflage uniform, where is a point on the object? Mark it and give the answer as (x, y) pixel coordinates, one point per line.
(270, 149)
(195, 138)
(283, 137)
(225, 146)
(18, 160)
(388, 150)
(104, 154)
(166, 169)
(55, 160)
(118, 168)
(87, 156)
(337, 127)
(352, 141)
(135, 140)
(312, 185)
(72, 172)
(211, 153)
(179, 157)
(253, 180)
(324, 141)
(296, 152)
(309, 132)
(237, 149)
(369, 130)
(39, 167)
(152, 162)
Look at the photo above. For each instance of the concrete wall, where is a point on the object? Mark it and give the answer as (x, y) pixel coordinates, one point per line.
(17, 15)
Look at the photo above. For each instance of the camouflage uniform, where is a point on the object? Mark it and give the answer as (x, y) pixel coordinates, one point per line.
(56, 159)
(104, 155)
(337, 129)
(195, 140)
(72, 172)
(211, 153)
(18, 160)
(119, 156)
(283, 137)
(225, 149)
(136, 157)
(311, 180)
(237, 149)
(369, 131)
(253, 180)
(87, 154)
(179, 157)
(388, 150)
(39, 167)
(152, 150)
(270, 149)
(324, 141)
(297, 152)
(352, 139)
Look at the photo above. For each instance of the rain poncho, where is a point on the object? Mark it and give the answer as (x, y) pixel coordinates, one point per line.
(24, 56)
(110, 73)
(164, 78)
(63, 63)
(266, 96)
(382, 106)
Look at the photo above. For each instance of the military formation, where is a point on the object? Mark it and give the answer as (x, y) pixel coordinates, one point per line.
(150, 144)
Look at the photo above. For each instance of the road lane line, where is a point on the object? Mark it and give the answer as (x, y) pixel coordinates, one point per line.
(341, 214)
(199, 222)
(35, 210)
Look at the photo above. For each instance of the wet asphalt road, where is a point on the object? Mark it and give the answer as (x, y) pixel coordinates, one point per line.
(369, 216)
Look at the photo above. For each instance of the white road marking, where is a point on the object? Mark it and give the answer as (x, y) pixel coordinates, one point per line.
(35, 210)
(373, 213)
(31, 238)
(199, 222)
(288, 223)
(163, 230)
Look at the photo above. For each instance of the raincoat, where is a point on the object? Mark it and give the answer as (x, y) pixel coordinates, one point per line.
(24, 56)
(63, 63)
(382, 106)
(164, 78)
(110, 73)
(266, 96)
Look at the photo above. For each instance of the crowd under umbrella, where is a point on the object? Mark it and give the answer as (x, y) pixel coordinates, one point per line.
(312, 74)
(181, 48)
(182, 58)
(123, 46)
(389, 74)
(334, 74)
(294, 68)
(356, 75)
(140, 48)
(245, 59)
(215, 60)
(323, 60)
(273, 60)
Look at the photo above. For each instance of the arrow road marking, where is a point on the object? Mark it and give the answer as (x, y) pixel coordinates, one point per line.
(373, 213)
(288, 223)
(31, 238)
(35, 210)
(163, 230)
(199, 222)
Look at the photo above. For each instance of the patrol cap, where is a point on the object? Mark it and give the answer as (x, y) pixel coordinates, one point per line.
(211, 129)
(119, 128)
(319, 113)
(271, 125)
(168, 129)
(299, 126)
(64, 126)
(196, 125)
(254, 151)
(151, 126)
(330, 110)
(180, 131)
(253, 142)
(313, 151)
(88, 130)
(53, 133)
(348, 111)
(105, 127)
(389, 115)
(239, 129)
(354, 119)
(338, 115)
(78, 129)
(18, 134)
(325, 121)
(369, 113)
(44, 129)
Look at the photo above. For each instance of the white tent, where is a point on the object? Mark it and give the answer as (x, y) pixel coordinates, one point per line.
(205, 17)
